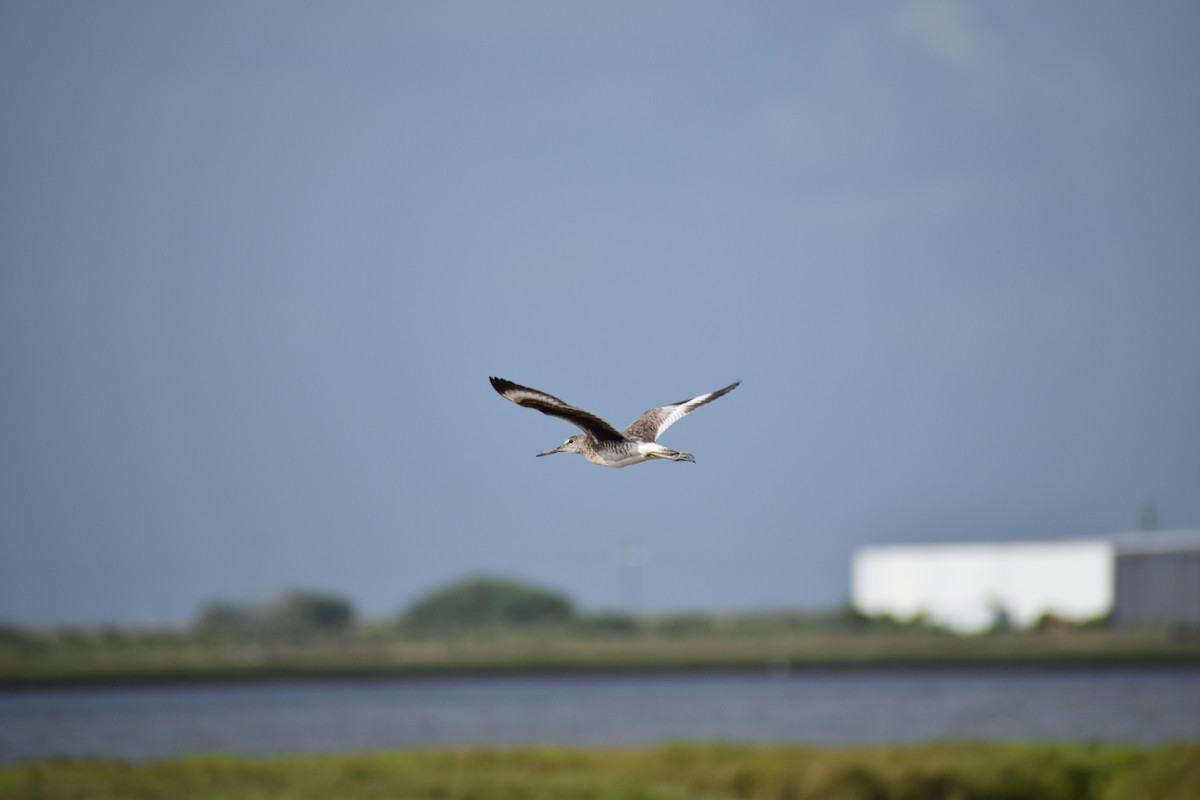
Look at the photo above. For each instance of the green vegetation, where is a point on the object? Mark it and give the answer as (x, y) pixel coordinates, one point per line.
(489, 602)
(295, 614)
(490, 625)
(966, 771)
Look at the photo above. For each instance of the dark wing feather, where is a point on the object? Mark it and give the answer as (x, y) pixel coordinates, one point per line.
(588, 422)
(649, 426)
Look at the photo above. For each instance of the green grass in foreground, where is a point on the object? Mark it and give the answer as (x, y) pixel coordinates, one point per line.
(962, 771)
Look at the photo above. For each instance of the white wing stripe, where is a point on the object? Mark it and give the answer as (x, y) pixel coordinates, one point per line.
(678, 412)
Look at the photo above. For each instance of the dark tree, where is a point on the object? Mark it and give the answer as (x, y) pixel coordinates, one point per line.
(302, 611)
(489, 602)
(225, 618)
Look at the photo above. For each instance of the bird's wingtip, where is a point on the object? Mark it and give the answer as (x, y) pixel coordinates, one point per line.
(503, 386)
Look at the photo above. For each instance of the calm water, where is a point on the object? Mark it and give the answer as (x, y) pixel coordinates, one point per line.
(1134, 706)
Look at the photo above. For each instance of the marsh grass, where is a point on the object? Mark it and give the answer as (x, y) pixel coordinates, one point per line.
(125, 657)
(953, 771)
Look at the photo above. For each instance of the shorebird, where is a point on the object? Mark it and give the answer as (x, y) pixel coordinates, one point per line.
(600, 442)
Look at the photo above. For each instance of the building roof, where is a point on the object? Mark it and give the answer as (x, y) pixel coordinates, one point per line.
(1156, 542)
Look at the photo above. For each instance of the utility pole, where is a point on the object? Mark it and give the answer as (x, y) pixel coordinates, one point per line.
(1149, 516)
(632, 558)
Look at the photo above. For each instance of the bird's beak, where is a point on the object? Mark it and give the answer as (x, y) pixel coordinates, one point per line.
(552, 451)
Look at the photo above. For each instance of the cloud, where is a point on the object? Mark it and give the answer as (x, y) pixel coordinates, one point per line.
(1001, 68)
(944, 29)
(949, 33)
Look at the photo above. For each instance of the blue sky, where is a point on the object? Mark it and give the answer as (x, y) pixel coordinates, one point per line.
(257, 262)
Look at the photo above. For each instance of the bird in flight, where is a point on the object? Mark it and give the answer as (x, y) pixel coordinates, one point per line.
(601, 443)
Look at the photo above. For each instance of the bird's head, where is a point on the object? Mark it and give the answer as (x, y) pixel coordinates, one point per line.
(573, 445)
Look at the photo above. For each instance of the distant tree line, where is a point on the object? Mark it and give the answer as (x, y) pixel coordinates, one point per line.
(295, 613)
(488, 603)
(483, 602)
(470, 605)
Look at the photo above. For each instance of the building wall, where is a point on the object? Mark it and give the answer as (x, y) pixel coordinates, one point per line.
(1157, 588)
(962, 586)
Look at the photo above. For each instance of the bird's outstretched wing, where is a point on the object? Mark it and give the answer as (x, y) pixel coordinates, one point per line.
(549, 404)
(649, 426)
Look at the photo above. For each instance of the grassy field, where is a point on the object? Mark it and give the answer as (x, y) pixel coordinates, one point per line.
(121, 657)
(961, 771)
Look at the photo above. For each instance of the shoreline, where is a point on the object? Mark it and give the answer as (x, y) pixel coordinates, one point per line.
(33, 681)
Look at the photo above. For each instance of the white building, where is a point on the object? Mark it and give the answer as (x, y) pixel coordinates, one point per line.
(1139, 578)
